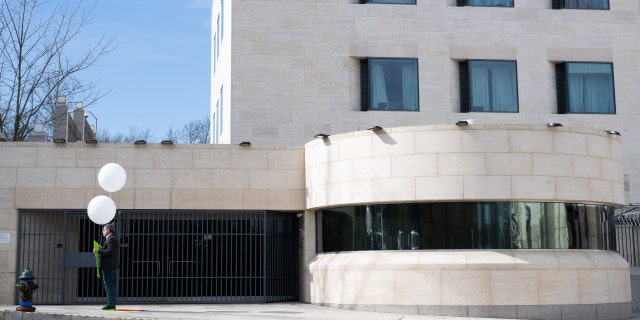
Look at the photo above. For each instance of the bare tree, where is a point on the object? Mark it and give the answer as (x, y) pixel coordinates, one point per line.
(36, 65)
(134, 134)
(194, 132)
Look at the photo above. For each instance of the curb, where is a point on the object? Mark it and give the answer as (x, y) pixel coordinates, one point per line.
(18, 315)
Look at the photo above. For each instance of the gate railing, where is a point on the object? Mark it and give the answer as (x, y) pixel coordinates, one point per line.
(628, 238)
(190, 256)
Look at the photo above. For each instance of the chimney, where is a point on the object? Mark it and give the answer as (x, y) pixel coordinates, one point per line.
(78, 122)
(37, 135)
(60, 119)
(82, 129)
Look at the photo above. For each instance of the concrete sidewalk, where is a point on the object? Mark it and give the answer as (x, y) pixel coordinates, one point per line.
(270, 311)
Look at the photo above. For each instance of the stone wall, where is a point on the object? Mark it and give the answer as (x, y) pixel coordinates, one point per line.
(64, 176)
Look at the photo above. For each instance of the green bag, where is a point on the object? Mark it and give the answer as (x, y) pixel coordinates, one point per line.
(96, 245)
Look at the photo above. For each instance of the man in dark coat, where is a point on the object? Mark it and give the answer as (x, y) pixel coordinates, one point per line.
(109, 255)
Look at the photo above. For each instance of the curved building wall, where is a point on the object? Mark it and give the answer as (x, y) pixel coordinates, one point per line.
(465, 163)
(514, 284)
(460, 164)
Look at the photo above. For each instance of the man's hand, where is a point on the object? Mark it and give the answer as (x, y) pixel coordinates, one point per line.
(96, 250)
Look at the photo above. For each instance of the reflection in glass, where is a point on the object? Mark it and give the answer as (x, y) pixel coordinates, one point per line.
(393, 1)
(586, 4)
(414, 240)
(490, 3)
(493, 86)
(392, 84)
(590, 87)
(480, 225)
(400, 240)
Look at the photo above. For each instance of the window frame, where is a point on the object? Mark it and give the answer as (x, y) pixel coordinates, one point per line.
(465, 3)
(465, 86)
(561, 4)
(562, 87)
(365, 84)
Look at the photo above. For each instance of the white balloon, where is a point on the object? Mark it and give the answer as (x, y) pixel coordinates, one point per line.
(101, 209)
(112, 177)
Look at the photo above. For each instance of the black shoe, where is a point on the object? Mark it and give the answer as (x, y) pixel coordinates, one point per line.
(109, 307)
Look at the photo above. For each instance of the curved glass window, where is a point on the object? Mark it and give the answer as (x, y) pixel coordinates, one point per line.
(466, 225)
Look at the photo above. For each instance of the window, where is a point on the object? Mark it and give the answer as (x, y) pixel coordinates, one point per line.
(218, 37)
(221, 18)
(217, 42)
(486, 3)
(389, 84)
(214, 137)
(214, 123)
(217, 120)
(220, 125)
(465, 225)
(488, 86)
(581, 4)
(389, 1)
(585, 87)
(216, 47)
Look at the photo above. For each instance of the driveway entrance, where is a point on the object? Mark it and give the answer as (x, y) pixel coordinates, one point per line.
(166, 256)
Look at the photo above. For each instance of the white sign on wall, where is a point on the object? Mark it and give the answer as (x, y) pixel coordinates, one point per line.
(5, 237)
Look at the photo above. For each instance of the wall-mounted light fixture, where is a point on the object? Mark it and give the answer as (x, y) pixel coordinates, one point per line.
(617, 133)
(374, 128)
(321, 136)
(59, 140)
(166, 142)
(140, 142)
(554, 124)
(462, 123)
(245, 143)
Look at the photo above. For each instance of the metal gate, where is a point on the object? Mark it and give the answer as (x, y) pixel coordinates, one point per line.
(166, 256)
(628, 238)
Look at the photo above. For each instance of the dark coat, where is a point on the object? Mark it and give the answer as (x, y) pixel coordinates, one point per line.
(110, 253)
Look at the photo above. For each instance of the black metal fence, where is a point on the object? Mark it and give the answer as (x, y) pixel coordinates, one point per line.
(166, 256)
(628, 238)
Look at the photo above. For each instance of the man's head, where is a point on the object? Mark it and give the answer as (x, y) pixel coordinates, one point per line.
(108, 229)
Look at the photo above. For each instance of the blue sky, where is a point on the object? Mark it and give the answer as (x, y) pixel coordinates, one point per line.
(157, 76)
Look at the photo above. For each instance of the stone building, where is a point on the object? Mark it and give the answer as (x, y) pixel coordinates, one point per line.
(285, 71)
(421, 156)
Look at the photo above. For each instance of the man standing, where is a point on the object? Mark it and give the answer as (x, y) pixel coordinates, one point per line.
(109, 255)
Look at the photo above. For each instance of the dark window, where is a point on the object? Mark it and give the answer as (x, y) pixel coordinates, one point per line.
(581, 4)
(389, 84)
(466, 225)
(486, 3)
(585, 87)
(389, 1)
(488, 86)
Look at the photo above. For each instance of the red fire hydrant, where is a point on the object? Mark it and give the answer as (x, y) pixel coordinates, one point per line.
(26, 287)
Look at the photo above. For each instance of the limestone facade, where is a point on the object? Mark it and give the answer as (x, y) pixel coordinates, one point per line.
(295, 65)
(395, 165)
(64, 176)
